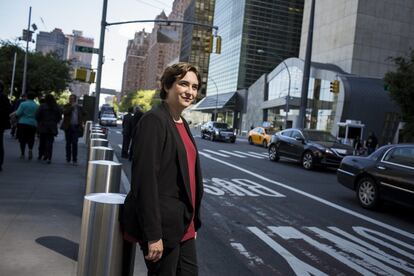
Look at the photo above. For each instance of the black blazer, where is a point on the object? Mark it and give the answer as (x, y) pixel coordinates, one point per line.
(159, 202)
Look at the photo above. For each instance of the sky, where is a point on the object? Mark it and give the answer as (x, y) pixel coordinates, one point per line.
(84, 15)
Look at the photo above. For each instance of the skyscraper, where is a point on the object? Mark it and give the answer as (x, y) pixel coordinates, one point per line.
(52, 42)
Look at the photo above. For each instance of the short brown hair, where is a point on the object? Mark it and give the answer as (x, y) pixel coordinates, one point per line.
(176, 72)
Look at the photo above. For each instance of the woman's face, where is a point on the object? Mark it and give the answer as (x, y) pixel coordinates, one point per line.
(183, 92)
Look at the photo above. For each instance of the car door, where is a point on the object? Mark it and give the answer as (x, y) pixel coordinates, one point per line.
(395, 172)
(283, 142)
(260, 135)
(254, 135)
(296, 145)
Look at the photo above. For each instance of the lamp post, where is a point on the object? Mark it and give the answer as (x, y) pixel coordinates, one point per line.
(261, 51)
(215, 111)
(27, 38)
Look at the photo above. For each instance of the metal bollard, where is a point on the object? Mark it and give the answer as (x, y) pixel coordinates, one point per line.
(101, 246)
(103, 176)
(101, 153)
(98, 142)
(101, 135)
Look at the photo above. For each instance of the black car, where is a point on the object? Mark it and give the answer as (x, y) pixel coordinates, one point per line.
(217, 131)
(388, 173)
(310, 147)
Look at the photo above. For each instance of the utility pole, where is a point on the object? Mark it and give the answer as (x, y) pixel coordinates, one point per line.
(12, 80)
(306, 71)
(25, 56)
(100, 60)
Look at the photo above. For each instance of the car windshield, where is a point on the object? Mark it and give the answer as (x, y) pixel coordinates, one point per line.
(220, 125)
(319, 136)
(108, 115)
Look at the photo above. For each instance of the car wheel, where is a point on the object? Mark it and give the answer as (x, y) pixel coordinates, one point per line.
(307, 160)
(273, 153)
(367, 193)
(233, 140)
(250, 140)
(264, 143)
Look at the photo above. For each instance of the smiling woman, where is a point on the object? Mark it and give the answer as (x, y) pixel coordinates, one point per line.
(162, 209)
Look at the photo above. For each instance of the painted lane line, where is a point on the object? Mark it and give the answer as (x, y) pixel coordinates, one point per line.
(232, 153)
(117, 131)
(258, 154)
(248, 154)
(217, 153)
(316, 198)
(299, 267)
(242, 250)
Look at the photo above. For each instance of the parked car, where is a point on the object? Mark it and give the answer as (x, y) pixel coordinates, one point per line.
(107, 119)
(217, 131)
(260, 136)
(310, 147)
(388, 173)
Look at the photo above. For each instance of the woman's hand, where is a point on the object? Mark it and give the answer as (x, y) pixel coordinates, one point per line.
(155, 249)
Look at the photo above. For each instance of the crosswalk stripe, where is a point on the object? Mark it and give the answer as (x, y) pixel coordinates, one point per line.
(217, 153)
(232, 153)
(258, 154)
(248, 154)
(118, 132)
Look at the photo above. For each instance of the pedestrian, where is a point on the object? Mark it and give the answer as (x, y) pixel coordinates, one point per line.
(371, 143)
(357, 145)
(48, 116)
(162, 209)
(5, 110)
(26, 126)
(133, 126)
(13, 118)
(73, 123)
(126, 132)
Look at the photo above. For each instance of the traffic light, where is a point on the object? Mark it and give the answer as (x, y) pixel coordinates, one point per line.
(334, 87)
(218, 45)
(92, 77)
(80, 74)
(208, 44)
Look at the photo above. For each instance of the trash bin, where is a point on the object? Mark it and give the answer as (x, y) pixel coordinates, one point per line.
(101, 246)
(103, 176)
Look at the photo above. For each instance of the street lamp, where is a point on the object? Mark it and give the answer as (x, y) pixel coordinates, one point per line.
(261, 51)
(27, 35)
(215, 111)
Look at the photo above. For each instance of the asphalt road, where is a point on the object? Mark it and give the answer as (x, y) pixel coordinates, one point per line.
(274, 218)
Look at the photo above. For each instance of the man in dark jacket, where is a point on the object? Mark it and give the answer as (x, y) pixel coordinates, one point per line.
(5, 110)
(126, 132)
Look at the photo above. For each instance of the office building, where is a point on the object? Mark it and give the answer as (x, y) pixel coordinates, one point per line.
(52, 42)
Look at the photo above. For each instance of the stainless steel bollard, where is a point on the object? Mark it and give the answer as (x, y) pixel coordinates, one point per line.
(98, 142)
(101, 135)
(103, 176)
(101, 153)
(101, 242)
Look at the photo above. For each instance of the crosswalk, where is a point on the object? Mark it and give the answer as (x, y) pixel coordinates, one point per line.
(236, 153)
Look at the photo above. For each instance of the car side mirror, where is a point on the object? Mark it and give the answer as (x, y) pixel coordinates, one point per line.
(299, 139)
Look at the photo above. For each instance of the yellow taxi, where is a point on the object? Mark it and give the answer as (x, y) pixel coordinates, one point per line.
(260, 136)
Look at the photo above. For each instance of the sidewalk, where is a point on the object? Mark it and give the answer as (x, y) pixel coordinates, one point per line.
(40, 211)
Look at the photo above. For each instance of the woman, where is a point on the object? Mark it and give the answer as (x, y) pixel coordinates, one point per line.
(26, 126)
(48, 116)
(162, 210)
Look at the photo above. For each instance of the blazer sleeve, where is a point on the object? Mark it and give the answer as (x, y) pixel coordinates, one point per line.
(148, 150)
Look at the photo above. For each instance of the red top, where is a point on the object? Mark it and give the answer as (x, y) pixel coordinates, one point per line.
(191, 163)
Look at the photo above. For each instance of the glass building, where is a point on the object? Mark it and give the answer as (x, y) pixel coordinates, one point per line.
(246, 26)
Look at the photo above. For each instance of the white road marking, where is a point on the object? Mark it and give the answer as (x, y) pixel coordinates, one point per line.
(217, 153)
(120, 146)
(316, 198)
(232, 153)
(258, 154)
(242, 250)
(248, 154)
(117, 131)
(299, 267)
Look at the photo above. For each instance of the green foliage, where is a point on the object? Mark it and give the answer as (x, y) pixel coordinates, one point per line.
(62, 98)
(401, 87)
(143, 98)
(45, 74)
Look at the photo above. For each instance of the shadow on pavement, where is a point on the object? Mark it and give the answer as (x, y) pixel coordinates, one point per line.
(60, 245)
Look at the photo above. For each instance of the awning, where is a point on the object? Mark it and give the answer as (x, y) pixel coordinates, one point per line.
(218, 101)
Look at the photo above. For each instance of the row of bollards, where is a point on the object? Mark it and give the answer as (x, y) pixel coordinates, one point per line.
(101, 246)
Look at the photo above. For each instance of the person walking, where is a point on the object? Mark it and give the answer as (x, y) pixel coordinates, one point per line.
(162, 209)
(73, 121)
(48, 116)
(126, 132)
(133, 126)
(26, 126)
(371, 143)
(13, 118)
(5, 110)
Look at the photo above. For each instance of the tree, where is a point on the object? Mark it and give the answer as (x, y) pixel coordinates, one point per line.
(142, 98)
(45, 73)
(400, 84)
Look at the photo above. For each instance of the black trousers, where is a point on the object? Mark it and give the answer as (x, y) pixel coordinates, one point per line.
(71, 136)
(46, 145)
(180, 261)
(1, 147)
(26, 135)
(126, 140)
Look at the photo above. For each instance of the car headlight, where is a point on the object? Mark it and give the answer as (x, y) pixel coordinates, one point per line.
(329, 151)
(234, 133)
(217, 132)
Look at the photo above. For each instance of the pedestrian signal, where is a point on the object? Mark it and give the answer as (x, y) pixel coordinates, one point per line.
(334, 87)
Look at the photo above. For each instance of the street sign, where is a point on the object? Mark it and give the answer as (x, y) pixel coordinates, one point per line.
(84, 49)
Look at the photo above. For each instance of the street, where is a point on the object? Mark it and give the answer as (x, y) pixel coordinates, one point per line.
(275, 218)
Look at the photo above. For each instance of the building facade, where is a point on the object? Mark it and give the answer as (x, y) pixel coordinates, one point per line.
(194, 38)
(359, 36)
(52, 42)
(133, 73)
